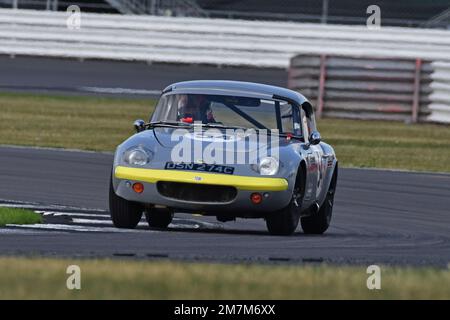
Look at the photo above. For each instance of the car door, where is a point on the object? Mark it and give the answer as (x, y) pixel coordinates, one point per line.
(321, 165)
(318, 159)
(312, 157)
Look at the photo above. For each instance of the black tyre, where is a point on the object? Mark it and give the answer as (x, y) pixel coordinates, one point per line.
(285, 221)
(319, 222)
(158, 217)
(124, 214)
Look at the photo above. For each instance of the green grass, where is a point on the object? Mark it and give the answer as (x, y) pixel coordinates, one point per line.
(101, 123)
(382, 144)
(18, 216)
(87, 123)
(46, 279)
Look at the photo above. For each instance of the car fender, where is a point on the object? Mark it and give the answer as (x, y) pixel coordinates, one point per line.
(329, 165)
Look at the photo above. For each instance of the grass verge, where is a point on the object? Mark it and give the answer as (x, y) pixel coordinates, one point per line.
(384, 144)
(36, 278)
(18, 216)
(88, 123)
(100, 124)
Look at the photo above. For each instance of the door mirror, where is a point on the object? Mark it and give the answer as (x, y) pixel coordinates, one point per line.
(314, 138)
(139, 125)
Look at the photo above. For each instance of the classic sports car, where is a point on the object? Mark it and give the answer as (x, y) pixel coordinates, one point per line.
(227, 149)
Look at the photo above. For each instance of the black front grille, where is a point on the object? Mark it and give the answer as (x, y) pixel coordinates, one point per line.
(196, 192)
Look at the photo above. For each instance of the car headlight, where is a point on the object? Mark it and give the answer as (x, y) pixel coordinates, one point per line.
(137, 156)
(268, 166)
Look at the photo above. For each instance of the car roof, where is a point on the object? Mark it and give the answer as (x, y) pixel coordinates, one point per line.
(234, 87)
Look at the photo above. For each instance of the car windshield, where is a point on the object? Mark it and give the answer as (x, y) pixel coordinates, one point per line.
(227, 111)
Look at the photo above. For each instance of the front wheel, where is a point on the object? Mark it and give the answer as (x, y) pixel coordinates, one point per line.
(159, 218)
(285, 221)
(124, 214)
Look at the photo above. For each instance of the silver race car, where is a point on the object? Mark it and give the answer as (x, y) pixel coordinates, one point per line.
(227, 149)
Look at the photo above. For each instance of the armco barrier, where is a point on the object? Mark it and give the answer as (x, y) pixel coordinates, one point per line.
(362, 87)
(210, 41)
(440, 96)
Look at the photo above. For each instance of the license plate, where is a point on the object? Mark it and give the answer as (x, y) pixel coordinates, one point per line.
(213, 168)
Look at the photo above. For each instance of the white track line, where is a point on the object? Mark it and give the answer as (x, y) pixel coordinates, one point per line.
(142, 224)
(120, 90)
(92, 221)
(101, 222)
(66, 227)
(193, 225)
(82, 215)
(72, 214)
(184, 226)
(196, 224)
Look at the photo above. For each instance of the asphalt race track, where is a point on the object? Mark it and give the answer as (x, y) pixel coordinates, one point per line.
(379, 217)
(49, 75)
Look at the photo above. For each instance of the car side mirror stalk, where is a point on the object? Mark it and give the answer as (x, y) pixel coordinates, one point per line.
(314, 139)
(139, 125)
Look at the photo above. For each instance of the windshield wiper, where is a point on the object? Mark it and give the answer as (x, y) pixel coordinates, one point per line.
(165, 123)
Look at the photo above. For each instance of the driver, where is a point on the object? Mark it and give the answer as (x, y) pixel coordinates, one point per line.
(193, 108)
(187, 112)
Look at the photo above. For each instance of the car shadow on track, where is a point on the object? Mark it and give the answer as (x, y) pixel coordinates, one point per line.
(244, 232)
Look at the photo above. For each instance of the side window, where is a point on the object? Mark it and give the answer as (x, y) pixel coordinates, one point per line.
(287, 121)
(310, 123)
(305, 125)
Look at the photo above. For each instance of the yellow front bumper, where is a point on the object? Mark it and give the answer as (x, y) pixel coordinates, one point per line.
(239, 182)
